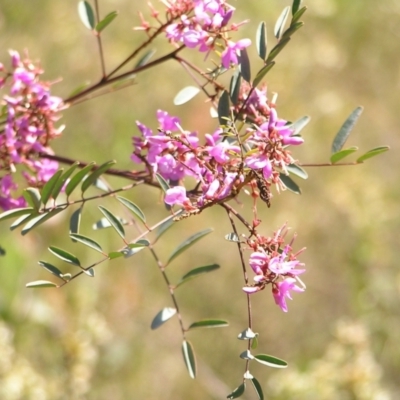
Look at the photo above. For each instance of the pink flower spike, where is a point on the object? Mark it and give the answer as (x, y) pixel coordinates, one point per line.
(282, 290)
(176, 196)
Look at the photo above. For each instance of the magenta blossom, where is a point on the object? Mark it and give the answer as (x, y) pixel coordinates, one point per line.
(282, 290)
(230, 54)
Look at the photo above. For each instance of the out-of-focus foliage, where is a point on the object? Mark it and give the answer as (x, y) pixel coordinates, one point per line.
(92, 339)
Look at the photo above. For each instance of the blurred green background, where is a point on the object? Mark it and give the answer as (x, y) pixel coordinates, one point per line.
(92, 339)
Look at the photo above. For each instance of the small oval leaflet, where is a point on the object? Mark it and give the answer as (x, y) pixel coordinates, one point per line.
(232, 237)
(32, 197)
(372, 153)
(280, 23)
(271, 361)
(86, 241)
(51, 268)
(342, 154)
(185, 95)
(209, 323)
(257, 387)
(86, 14)
(16, 212)
(40, 284)
(289, 183)
(114, 221)
(237, 392)
(65, 256)
(277, 49)
(244, 65)
(106, 21)
(189, 358)
(133, 208)
(163, 316)
(261, 40)
(196, 272)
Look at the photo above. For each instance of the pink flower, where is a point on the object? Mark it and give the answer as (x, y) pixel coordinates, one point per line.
(282, 289)
(229, 55)
(176, 196)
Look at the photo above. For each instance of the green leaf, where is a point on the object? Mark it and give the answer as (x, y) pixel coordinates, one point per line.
(36, 221)
(209, 323)
(51, 268)
(134, 248)
(49, 186)
(261, 41)
(40, 284)
(16, 212)
(295, 6)
(244, 65)
(22, 220)
(196, 272)
(91, 179)
(373, 153)
(114, 254)
(296, 170)
(185, 95)
(234, 87)
(189, 358)
(133, 208)
(163, 316)
(277, 49)
(298, 125)
(101, 184)
(114, 221)
(298, 15)
(289, 183)
(188, 242)
(254, 342)
(164, 227)
(145, 58)
(78, 89)
(32, 197)
(75, 221)
(271, 361)
(262, 72)
(237, 392)
(232, 237)
(60, 183)
(257, 388)
(292, 29)
(74, 182)
(2, 251)
(65, 256)
(344, 131)
(280, 23)
(224, 110)
(86, 241)
(86, 14)
(342, 154)
(104, 223)
(163, 183)
(247, 334)
(106, 21)
(89, 272)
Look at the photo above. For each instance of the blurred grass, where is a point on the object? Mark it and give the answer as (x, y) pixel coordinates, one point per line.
(91, 340)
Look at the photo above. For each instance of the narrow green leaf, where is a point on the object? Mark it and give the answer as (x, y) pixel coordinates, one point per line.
(145, 58)
(106, 21)
(257, 388)
(185, 95)
(296, 170)
(194, 273)
(373, 153)
(188, 242)
(292, 29)
(163, 316)
(289, 183)
(79, 89)
(49, 186)
(101, 184)
(237, 392)
(133, 208)
(74, 182)
(295, 6)
(234, 87)
(91, 179)
(114, 221)
(32, 197)
(342, 154)
(209, 323)
(262, 72)
(277, 49)
(244, 65)
(114, 254)
(280, 23)
(164, 227)
(60, 183)
(298, 15)
(134, 248)
(298, 125)
(344, 131)
(16, 212)
(40, 284)
(261, 40)
(36, 221)
(232, 237)
(86, 14)
(104, 223)
(247, 334)
(51, 268)
(65, 256)
(23, 219)
(254, 342)
(75, 221)
(2, 251)
(86, 241)
(163, 183)
(271, 361)
(189, 358)
(224, 111)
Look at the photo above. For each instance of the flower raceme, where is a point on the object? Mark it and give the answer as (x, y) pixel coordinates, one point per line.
(275, 266)
(30, 115)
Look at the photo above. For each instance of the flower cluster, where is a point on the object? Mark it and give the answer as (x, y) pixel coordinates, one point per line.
(202, 24)
(220, 167)
(276, 266)
(28, 127)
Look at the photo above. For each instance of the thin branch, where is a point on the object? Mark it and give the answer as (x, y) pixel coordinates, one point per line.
(98, 36)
